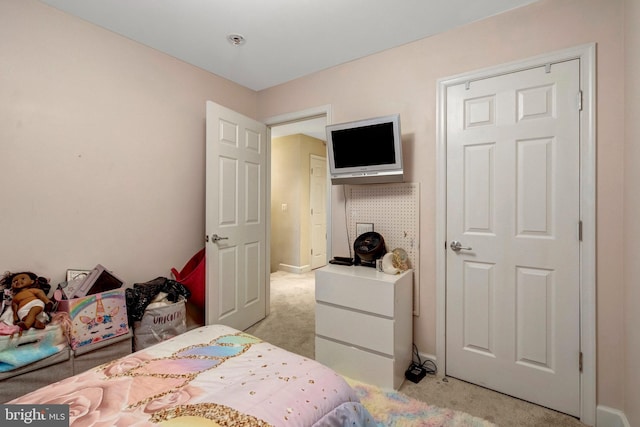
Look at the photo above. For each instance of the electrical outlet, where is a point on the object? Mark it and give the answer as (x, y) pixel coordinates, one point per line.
(363, 227)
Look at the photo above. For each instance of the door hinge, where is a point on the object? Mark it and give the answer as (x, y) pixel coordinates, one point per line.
(579, 100)
(580, 231)
(580, 362)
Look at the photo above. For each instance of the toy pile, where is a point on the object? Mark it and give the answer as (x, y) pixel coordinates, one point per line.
(26, 334)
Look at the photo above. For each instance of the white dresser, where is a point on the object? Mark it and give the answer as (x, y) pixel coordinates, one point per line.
(364, 323)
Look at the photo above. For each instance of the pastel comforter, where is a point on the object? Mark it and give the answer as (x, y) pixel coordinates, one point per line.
(213, 375)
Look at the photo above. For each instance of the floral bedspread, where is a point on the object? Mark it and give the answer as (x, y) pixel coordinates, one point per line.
(213, 375)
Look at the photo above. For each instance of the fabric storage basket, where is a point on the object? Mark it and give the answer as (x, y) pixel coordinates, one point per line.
(160, 323)
(193, 276)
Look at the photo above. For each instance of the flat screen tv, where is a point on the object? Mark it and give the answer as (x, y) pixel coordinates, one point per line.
(365, 151)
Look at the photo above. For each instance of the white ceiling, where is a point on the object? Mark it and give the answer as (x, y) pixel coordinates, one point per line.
(285, 39)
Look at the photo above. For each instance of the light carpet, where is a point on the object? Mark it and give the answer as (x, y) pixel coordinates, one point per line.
(391, 408)
(291, 325)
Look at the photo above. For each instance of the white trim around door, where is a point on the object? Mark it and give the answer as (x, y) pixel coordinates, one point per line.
(587, 56)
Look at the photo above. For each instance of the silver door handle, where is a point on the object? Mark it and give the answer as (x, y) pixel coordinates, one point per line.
(457, 246)
(215, 238)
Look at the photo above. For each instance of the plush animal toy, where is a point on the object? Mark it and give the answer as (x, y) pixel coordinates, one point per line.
(30, 303)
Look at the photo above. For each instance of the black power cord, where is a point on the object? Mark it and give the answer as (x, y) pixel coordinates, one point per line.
(419, 369)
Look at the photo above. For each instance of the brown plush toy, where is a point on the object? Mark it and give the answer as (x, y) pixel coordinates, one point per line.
(29, 302)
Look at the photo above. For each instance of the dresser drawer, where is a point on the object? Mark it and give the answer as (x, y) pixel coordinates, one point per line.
(368, 290)
(356, 328)
(358, 364)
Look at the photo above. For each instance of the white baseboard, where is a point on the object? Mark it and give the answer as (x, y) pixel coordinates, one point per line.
(427, 356)
(610, 417)
(294, 268)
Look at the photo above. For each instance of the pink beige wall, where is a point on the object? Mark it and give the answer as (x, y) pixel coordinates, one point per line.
(101, 148)
(404, 80)
(632, 213)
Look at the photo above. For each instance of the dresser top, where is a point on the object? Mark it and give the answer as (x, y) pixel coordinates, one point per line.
(362, 271)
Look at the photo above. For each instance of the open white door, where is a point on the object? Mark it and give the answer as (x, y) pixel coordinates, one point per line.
(235, 221)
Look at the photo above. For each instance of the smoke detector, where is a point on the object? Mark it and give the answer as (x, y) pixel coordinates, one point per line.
(236, 39)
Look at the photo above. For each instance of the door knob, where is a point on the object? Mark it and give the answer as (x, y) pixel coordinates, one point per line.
(457, 246)
(215, 238)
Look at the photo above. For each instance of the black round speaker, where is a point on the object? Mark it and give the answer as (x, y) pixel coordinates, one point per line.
(368, 247)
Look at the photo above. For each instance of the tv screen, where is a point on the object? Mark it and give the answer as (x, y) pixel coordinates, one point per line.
(364, 146)
(365, 151)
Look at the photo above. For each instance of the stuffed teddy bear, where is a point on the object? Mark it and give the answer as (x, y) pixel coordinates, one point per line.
(30, 302)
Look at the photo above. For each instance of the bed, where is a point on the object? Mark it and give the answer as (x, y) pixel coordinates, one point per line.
(212, 375)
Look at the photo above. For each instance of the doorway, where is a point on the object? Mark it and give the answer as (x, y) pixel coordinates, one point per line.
(297, 141)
